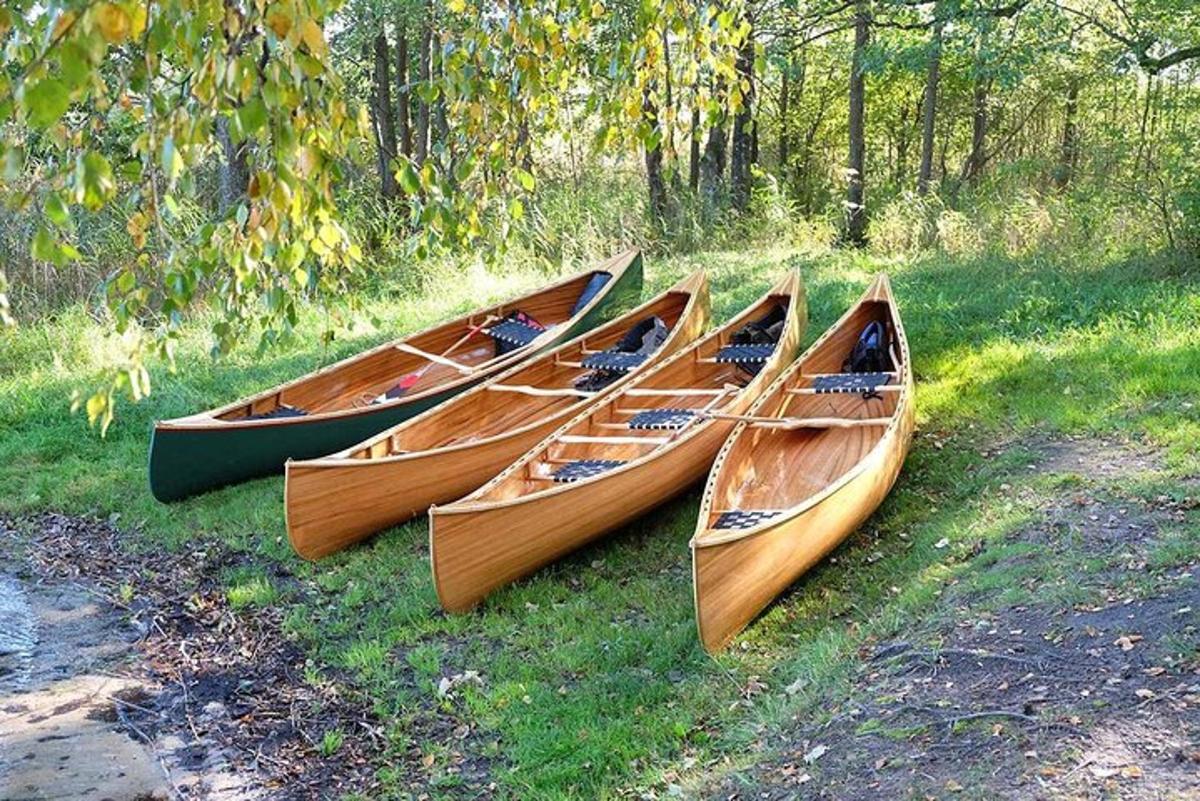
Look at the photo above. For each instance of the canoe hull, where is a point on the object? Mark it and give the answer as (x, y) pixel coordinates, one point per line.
(474, 552)
(320, 524)
(736, 580)
(186, 460)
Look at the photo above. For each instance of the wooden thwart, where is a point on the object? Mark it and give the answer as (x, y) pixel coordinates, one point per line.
(433, 357)
(803, 422)
(581, 439)
(526, 389)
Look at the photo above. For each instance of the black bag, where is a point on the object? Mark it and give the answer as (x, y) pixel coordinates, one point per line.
(870, 352)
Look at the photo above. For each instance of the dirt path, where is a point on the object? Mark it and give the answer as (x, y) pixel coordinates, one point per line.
(125, 678)
(1011, 690)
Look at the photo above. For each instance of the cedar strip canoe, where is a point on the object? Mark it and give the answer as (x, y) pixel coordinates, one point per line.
(339, 405)
(620, 457)
(791, 484)
(444, 453)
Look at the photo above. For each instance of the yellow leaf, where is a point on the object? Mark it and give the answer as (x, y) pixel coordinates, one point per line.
(312, 35)
(113, 22)
(457, 6)
(279, 21)
(597, 10)
(64, 21)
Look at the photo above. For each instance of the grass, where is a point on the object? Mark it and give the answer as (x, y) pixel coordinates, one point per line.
(592, 682)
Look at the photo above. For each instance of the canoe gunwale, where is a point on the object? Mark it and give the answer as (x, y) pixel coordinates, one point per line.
(694, 286)
(704, 536)
(790, 285)
(617, 265)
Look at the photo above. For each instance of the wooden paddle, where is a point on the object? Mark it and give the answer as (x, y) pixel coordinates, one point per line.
(410, 380)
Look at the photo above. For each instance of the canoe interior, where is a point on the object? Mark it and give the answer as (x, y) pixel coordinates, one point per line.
(353, 383)
(482, 414)
(776, 470)
(691, 380)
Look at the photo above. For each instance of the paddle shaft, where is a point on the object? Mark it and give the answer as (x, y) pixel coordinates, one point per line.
(410, 380)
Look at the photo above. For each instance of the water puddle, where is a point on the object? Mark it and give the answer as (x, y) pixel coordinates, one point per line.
(18, 636)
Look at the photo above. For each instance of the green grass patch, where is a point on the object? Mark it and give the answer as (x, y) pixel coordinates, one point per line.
(590, 679)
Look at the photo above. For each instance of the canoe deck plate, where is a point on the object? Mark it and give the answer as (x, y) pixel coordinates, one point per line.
(583, 468)
(278, 413)
(662, 419)
(745, 354)
(849, 383)
(613, 360)
(740, 518)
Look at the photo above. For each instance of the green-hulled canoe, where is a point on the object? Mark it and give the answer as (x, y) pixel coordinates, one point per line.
(346, 402)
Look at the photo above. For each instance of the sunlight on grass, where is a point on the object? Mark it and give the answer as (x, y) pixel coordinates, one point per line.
(591, 682)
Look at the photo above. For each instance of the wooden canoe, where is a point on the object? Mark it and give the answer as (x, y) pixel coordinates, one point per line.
(446, 452)
(596, 472)
(340, 405)
(815, 459)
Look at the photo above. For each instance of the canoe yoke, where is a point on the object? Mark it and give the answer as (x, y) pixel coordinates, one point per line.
(743, 518)
(662, 419)
(583, 468)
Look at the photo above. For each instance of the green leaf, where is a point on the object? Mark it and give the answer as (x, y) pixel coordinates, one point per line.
(46, 101)
(410, 182)
(251, 116)
(94, 183)
(525, 179)
(56, 210)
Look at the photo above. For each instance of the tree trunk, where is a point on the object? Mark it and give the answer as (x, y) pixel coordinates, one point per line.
(402, 96)
(654, 161)
(742, 152)
(1070, 138)
(933, 76)
(385, 122)
(712, 164)
(441, 128)
(235, 174)
(979, 123)
(784, 132)
(856, 213)
(694, 149)
(423, 66)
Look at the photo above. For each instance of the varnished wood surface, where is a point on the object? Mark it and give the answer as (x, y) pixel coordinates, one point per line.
(824, 481)
(522, 520)
(343, 389)
(446, 452)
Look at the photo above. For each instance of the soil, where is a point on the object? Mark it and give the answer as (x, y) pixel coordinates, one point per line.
(1030, 701)
(127, 676)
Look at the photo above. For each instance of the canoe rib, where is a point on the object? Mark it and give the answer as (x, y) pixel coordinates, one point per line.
(738, 572)
(341, 498)
(516, 523)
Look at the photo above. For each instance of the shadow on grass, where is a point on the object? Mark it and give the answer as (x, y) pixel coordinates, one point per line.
(594, 677)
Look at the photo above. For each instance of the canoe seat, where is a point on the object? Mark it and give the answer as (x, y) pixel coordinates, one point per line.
(745, 354)
(278, 413)
(613, 361)
(662, 419)
(515, 331)
(849, 383)
(593, 287)
(743, 518)
(583, 468)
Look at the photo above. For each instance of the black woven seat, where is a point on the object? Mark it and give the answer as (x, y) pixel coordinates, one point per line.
(583, 468)
(745, 354)
(849, 383)
(513, 333)
(278, 413)
(613, 361)
(662, 419)
(743, 518)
